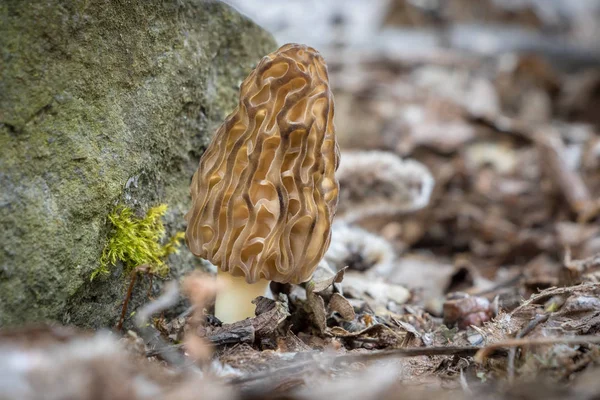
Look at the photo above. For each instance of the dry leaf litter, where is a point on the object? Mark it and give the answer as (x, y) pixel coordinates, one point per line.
(465, 255)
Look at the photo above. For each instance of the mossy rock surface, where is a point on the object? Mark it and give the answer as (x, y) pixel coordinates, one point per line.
(104, 103)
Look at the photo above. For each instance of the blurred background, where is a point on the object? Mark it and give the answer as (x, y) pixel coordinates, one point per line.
(500, 100)
(469, 209)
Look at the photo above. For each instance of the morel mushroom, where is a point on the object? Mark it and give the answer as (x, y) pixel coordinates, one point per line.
(265, 192)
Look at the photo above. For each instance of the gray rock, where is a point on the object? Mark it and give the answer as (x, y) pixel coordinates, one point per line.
(103, 103)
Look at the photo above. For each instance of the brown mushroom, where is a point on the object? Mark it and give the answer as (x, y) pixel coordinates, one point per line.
(265, 192)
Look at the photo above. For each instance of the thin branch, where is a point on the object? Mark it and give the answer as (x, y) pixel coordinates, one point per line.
(524, 332)
(478, 353)
(316, 362)
(151, 336)
(486, 351)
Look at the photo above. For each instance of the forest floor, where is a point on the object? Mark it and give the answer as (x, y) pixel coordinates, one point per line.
(492, 290)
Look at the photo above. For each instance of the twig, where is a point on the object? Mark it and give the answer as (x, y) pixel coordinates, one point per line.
(586, 359)
(460, 351)
(134, 275)
(568, 181)
(483, 353)
(478, 353)
(127, 298)
(546, 294)
(149, 292)
(159, 352)
(512, 353)
(362, 357)
(504, 124)
(237, 334)
(288, 371)
(151, 336)
(532, 324)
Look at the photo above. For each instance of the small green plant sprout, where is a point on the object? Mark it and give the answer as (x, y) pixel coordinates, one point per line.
(137, 241)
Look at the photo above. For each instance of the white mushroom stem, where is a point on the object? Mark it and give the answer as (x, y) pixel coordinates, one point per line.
(234, 300)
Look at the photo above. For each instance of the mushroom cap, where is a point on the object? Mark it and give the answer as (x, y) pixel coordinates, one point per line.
(265, 193)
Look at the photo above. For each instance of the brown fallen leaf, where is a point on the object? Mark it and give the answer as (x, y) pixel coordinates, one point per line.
(341, 305)
(466, 311)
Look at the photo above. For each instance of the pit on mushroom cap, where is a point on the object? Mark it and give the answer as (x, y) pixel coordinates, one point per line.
(265, 192)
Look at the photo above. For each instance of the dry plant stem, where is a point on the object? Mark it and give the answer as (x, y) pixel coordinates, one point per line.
(126, 302)
(586, 359)
(478, 353)
(512, 354)
(134, 274)
(338, 361)
(484, 352)
(569, 182)
(234, 301)
(163, 350)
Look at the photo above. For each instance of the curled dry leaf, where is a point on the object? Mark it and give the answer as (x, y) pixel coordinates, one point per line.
(324, 277)
(358, 249)
(466, 311)
(323, 296)
(381, 183)
(376, 291)
(340, 304)
(318, 312)
(290, 343)
(542, 272)
(377, 334)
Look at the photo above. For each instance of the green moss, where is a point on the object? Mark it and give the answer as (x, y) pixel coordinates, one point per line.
(137, 241)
